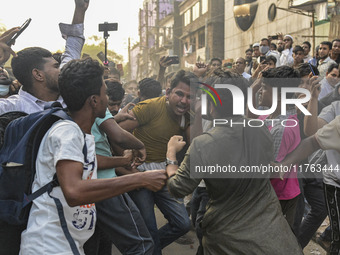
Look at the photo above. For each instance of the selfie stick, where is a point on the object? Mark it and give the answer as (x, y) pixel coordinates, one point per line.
(106, 35)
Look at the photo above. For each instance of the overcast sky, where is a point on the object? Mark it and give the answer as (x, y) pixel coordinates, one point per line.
(46, 14)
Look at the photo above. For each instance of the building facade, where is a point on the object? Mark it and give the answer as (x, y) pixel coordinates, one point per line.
(203, 29)
(247, 21)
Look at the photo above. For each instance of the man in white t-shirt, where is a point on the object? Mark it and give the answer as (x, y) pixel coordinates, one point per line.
(61, 153)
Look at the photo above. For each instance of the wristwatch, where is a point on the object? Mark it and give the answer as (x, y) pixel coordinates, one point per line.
(171, 162)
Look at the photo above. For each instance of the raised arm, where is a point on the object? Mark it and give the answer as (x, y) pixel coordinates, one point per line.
(5, 50)
(74, 33)
(311, 122)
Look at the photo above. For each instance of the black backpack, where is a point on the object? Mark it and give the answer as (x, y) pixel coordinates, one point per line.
(18, 155)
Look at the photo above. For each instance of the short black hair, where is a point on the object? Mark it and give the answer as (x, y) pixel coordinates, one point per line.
(251, 50)
(27, 60)
(297, 48)
(57, 56)
(78, 80)
(331, 67)
(273, 45)
(304, 69)
(227, 77)
(282, 77)
(335, 40)
(327, 43)
(215, 59)
(114, 90)
(185, 77)
(271, 58)
(308, 43)
(265, 39)
(149, 88)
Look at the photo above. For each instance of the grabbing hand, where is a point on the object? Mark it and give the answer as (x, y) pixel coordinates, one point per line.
(140, 156)
(128, 155)
(125, 114)
(155, 179)
(176, 143)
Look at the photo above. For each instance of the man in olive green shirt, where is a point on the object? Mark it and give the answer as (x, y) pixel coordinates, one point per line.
(155, 122)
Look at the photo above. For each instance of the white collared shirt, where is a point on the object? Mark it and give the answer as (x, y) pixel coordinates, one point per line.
(324, 65)
(24, 102)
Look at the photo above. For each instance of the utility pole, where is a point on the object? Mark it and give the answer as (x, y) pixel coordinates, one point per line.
(313, 32)
(157, 24)
(140, 41)
(129, 52)
(147, 38)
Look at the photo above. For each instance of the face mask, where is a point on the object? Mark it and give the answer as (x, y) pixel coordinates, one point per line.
(264, 49)
(4, 90)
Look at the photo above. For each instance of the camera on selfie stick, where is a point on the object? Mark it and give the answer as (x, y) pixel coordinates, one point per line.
(106, 27)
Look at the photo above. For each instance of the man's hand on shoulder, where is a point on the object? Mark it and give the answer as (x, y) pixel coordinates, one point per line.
(125, 114)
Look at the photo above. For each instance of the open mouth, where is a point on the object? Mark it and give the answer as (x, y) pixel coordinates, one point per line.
(181, 109)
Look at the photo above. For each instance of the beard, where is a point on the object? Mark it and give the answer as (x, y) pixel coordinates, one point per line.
(52, 84)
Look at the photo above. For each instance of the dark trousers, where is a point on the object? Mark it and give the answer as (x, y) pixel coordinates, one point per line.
(333, 205)
(119, 220)
(311, 189)
(10, 238)
(199, 201)
(288, 208)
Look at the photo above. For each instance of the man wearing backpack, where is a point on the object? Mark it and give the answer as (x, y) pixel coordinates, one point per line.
(40, 86)
(61, 152)
(38, 73)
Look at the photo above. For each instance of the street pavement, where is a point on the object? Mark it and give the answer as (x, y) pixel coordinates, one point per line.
(190, 249)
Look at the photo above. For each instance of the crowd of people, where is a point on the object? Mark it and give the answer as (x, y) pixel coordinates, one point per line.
(144, 139)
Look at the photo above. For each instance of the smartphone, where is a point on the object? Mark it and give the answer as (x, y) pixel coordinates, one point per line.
(101, 56)
(262, 58)
(174, 60)
(16, 35)
(274, 37)
(311, 68)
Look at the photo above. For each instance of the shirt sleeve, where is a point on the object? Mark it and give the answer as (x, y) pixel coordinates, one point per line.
(74, 36)
(328, 113)
(66, 141)
(108, 115)
(146, 111)
(328, 136)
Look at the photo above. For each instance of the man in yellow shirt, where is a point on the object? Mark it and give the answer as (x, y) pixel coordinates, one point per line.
(155, 122)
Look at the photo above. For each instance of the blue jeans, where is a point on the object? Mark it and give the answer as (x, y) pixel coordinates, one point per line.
(172, 209)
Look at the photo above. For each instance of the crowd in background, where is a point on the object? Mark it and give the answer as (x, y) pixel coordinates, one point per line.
(139, 132)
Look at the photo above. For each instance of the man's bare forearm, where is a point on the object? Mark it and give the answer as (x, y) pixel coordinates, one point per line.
(305, 148)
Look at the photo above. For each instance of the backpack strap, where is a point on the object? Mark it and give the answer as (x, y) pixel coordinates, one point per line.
(63, 223)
